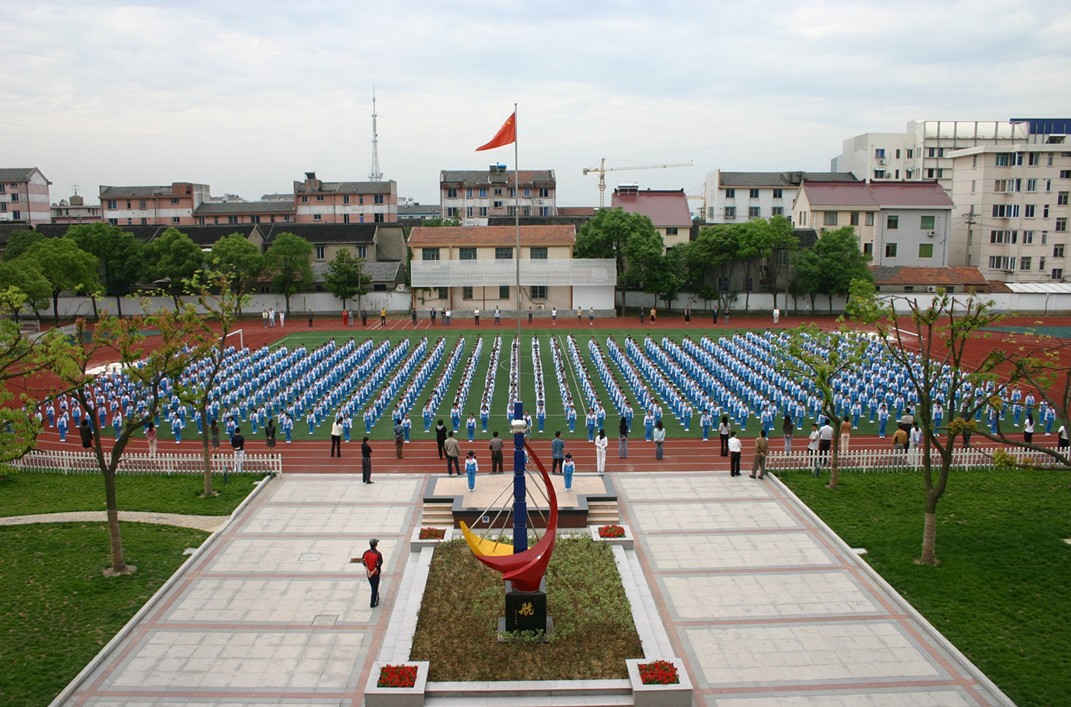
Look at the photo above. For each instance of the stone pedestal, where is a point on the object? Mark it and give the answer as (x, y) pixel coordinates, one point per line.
(526, 611)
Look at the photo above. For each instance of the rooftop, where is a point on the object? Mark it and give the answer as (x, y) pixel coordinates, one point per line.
(424, 236)
(938, 277)
(663, 207)
(16, 174)
(478, 177)
(779, 180)
(877, 194)
(244, 207)
(322, 187)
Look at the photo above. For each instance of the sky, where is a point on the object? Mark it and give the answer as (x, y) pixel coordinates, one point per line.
(248, 96)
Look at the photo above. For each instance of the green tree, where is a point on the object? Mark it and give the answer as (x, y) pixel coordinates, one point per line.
(239, 261)
(440, 222)
(668, 276)
(75, 361)
(783, 241)
(823, 357)
(806, 280)
(714, 257)
(609, 234)
(19, 424)
(120, 254)
(287, 262)
(25, 276)
(67, 267)
(755, 245)
(345, 277)
(841, 262)
(19, 242)
(173, 259)
(929, 344)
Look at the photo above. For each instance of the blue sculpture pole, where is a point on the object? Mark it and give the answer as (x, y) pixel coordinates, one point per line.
(520, 507)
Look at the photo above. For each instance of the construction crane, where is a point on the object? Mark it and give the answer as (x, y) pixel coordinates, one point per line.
(602, 169)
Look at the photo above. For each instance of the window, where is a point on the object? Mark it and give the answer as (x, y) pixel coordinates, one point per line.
(892, 222)
(451, 193)
(544, 193)
(319, 197)
(429, 253)
(1001, 237)
(753, 193)
(1032, 185)
(232, 220)
(321, 252)
(496, 204)
(1028, 238)
(890, 250)
(1005, 211)
(1028, 211)
(1061, 225)
(175, 219)
(730, 193)
(1045, 211)
(317, 217)
(469, 211)
(829, 218)
(898, 153)
(1061, 198)
(345, 198)
(466, 292)
(441, 293)
(539, 291)
(777, 211)
(483, 211)
(451, 212)
(868, 249)
(111, 221)
(468, 193)
(879, 174)
(503, 292)
(1058, 250)
(360, 199)
(497, 191)
(1033, 159)
(1057, 273)
(1065, 174)
(879, 153)
(466, 254)
(544, 211)
(378, 199)
(854, 219)
(503, 254)
(1041, 263)
(144, 221)
(141, 202)
(527, 192)
(538, 253)
(1024, 262)
(671, 230)
(925, 250)
(869, 218)
(931, 152)
(778, 193)
(753, 212)
(1044, 238)
(910, 154)
(927, 223)
(803, 218)
(730, 213)
(1001, 262)
(483, 192)
(111, 203)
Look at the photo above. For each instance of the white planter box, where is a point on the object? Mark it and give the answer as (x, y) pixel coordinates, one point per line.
(415, 543)
(396, 696)
(679, 695)
(626, 542)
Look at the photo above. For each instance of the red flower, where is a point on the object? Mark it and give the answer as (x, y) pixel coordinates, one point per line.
(397, 676)
(432, 533)
(611, 531)
(660, 672)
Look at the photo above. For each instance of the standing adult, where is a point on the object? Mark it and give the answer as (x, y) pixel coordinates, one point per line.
(529, 315)
(373, 565)
(776, 318)
(366, 462)
(364, 318)
(496, 453)
(383, 316)
(654, 314)
(399, 437)
(825, 440)
(687, 315)
(453, 450)
(845, 435)
(336, 437)
(601, 442)
(150, 435)
(1028, 428)
(899, 439)
(723, 435)
(554, 316)
(476, 316)
(238, 445)
(1063, 440)
(735, 449)
(269, 433)
(85, 432)
(440, 437)
(498, 316)
(579, 316)
(557, 453)
(762, 448)
(622, 439)
(412, 316)
(591, 315)
(213, 433)
(659, 439)
(812, 440)
(788, 428)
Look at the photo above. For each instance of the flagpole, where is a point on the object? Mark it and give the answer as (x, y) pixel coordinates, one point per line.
(520, 494)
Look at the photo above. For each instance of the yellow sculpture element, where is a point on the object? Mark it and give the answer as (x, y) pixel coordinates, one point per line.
(484, 546)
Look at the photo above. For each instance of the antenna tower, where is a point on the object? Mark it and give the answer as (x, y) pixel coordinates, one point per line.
(375, 175)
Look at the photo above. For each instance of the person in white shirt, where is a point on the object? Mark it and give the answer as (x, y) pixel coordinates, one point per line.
(735, 449)
(659, 439)
(1061, 435)
(601, 442)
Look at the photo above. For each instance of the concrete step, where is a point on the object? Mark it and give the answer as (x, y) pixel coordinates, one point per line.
(521, 693)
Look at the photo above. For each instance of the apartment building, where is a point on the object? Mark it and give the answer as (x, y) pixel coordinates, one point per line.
(735, 197)
(24, 196)
(897, 223)
(466, 268)
(1013, 212)
(74, 211)
(171, 205)
(317, 201)
(667, 209)
(474, 196)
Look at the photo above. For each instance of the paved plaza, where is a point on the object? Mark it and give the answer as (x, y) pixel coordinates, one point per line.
(762, 602)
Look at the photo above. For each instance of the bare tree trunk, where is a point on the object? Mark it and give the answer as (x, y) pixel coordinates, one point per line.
(206, 455)
(834, 466)
(115, 540)
(929, 538)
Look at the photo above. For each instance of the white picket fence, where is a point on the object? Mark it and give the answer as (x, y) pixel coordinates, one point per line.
(883, 460)
(67, 462)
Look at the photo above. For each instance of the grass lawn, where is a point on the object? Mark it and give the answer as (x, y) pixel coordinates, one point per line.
(593, 629)
(1001, 593)
(31, 493)
(59, 610)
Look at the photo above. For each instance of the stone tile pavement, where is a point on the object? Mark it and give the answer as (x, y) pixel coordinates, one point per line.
(765, 605)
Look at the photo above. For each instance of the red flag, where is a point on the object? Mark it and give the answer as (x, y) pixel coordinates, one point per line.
(506, 134)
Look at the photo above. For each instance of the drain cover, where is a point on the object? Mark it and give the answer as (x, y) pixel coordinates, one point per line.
(309, 557)
(325, 620)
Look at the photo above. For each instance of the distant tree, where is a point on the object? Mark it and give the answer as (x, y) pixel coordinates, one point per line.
(841, 260)
(755, 245)
(806, 280)
(345, 277)
(74, 361)
(67, 267)
(120, 254)
(440, 222)
(783, 241)
(608, 235)
(18, 242)
(19, 424)
(668, 276)
(173, 259)
(714, 258)
(25, 276)
(239, 262)
(287, 262)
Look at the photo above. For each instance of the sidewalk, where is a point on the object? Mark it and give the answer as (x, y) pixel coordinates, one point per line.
(765, 605)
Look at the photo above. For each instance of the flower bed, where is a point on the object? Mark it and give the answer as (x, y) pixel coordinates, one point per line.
(613, 533)
(429, 535)
(659, 683)
(432, 534)
(397, 685)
